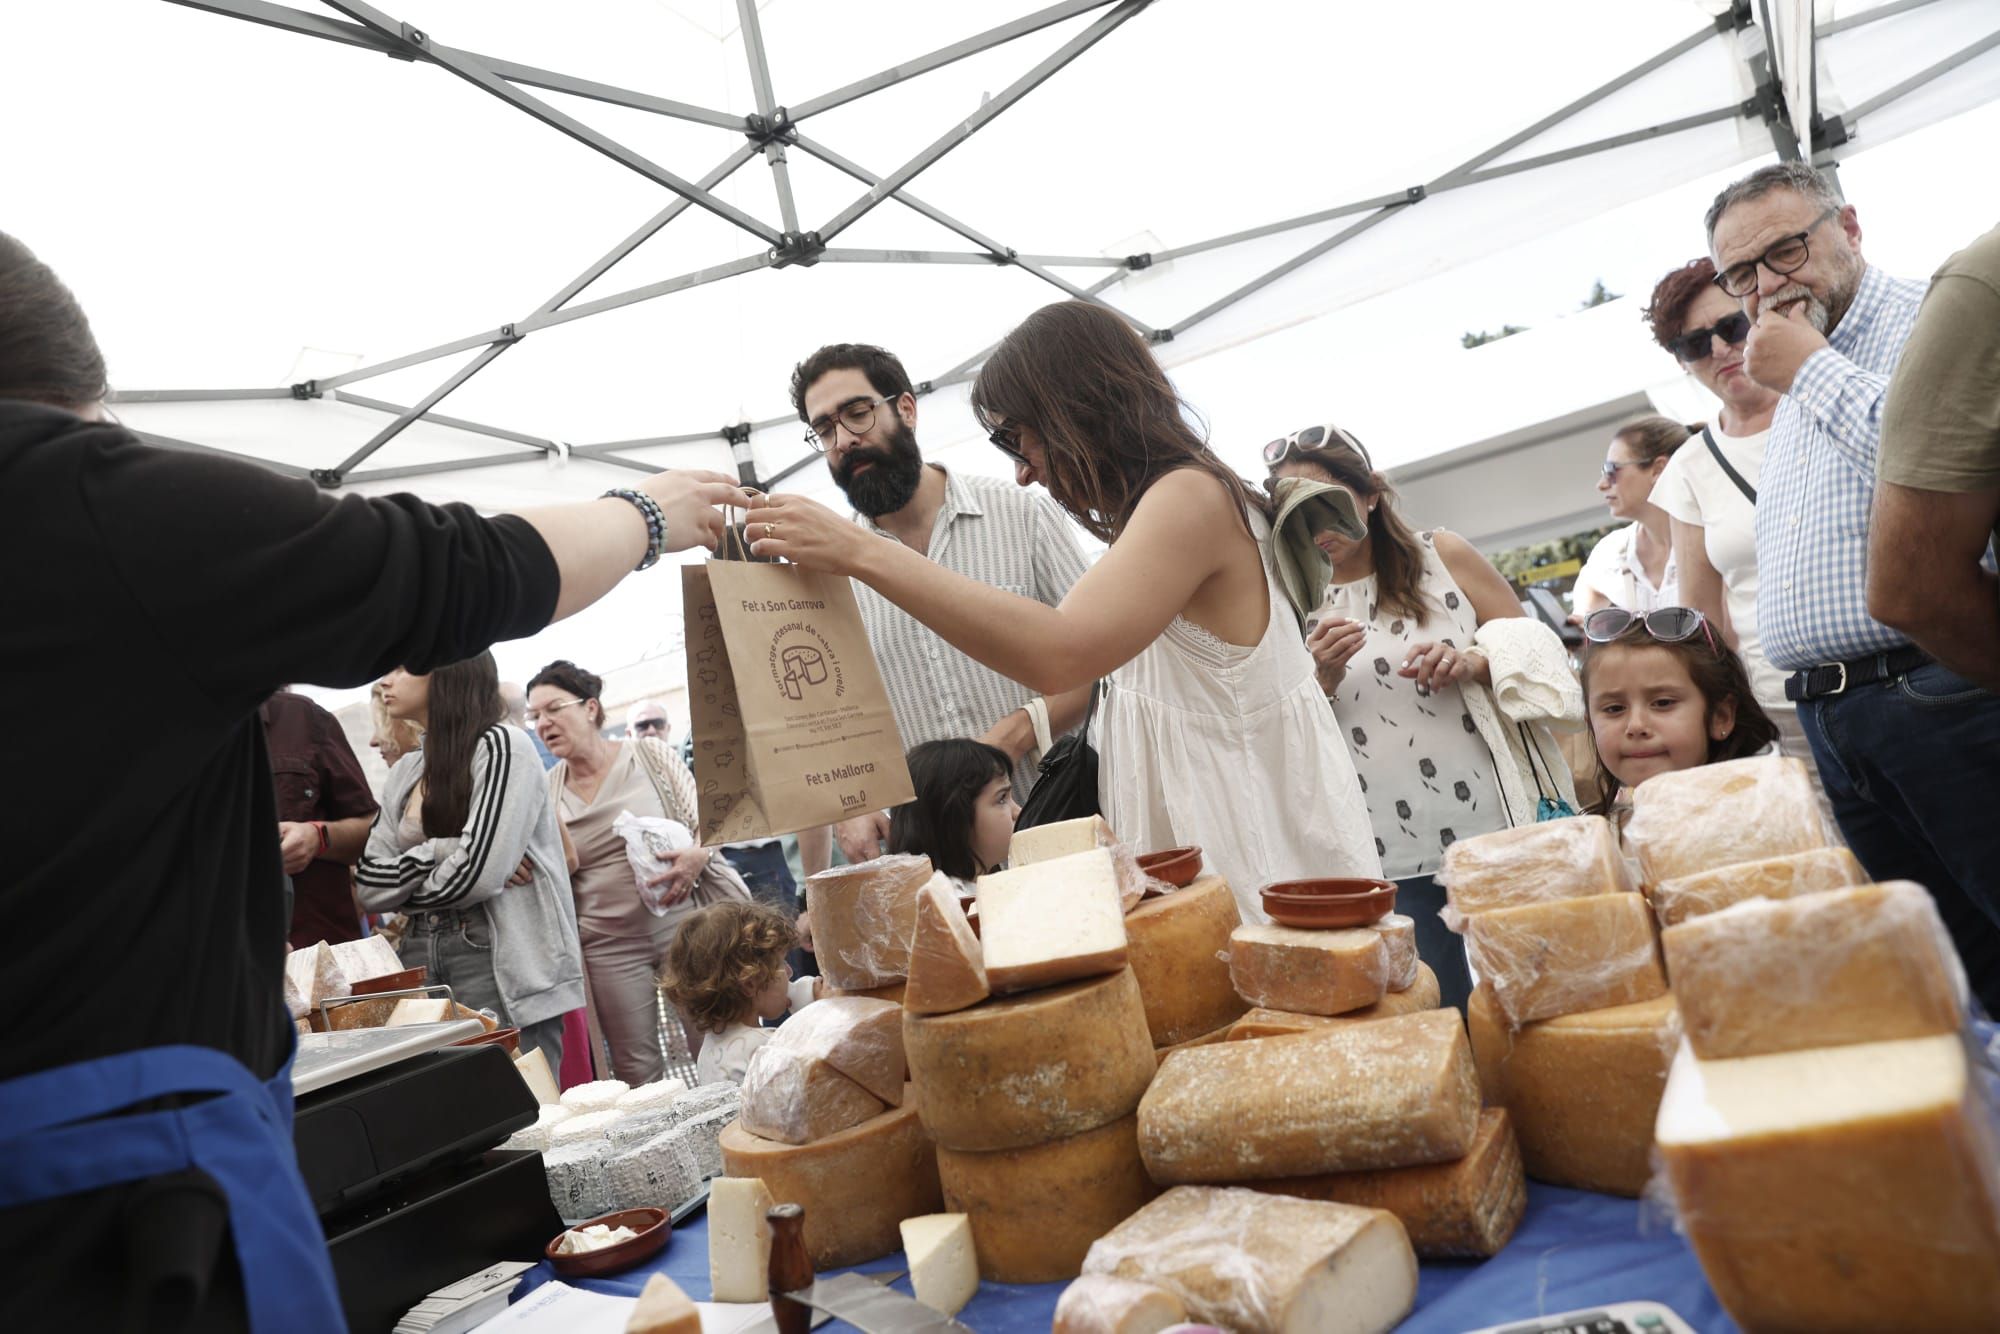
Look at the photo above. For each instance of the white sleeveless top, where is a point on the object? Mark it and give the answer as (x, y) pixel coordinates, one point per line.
(1233, 749)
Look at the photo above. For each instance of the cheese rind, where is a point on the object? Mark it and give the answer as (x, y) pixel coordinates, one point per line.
(944, 1272)
(859, 1037)
(1399, 944)
(1308, 972)
(1160, 1054)
(1550, 959)
(1870, 964)
(1582, 1090)
(1468, 1207)
(1787, 877)
(1052, 922)
(1027, 1069)
(1103, 1304)
(663, 1309)
(1178, 946)
(1574, 858)
(1036, 1210)
(863, 916)
(1392, 1093)
(796, 1099)
(1268, 1023)
(1713, 815)
(947, 964)
(1267, 1264)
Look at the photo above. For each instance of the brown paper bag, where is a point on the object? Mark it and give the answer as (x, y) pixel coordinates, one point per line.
(792, 725)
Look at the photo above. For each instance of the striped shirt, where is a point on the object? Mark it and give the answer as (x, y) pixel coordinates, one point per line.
(997, 533)
(1818, 482)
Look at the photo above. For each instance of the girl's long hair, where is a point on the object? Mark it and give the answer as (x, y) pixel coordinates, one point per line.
(465, 701)
(1718, 676)
(948, 775)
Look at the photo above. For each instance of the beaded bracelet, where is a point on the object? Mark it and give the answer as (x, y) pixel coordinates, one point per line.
(656, 523)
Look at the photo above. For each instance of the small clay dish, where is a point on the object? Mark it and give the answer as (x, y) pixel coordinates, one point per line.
(403, 981)
(1177, 866)
(510, 1038)
(1329, 904)
(650, 1224)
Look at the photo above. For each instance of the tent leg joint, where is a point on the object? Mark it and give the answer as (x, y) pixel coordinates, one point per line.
(776, 128)
(803, 248)
(328, 479)
(306, 389)
(1138, 262)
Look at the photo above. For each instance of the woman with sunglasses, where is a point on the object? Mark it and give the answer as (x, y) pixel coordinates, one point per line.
(1214, 731)
(1633, 566)
(1709, 489)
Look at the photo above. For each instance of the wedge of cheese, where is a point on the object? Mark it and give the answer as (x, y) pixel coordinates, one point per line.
(1308, 972)
(1549, 959)
(1178, 946)
(861, 1038)
(739, 1239)
(863, 916)
(1101, 1304)
(795, 1099)
(419, 1010)
(663, 1309)
(1714, 815)
(1786, 877)
(944, 1270)
(1051, 922)
(947, 964)
(1576, 858)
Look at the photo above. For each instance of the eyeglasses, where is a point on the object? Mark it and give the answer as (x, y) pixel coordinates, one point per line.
(1610, 468)
(1696, 344)
(1285, 448)
(1787, 255)
(1668, 625)
(1006, 438)
(650, 725)
(533, 717)
(857, 416)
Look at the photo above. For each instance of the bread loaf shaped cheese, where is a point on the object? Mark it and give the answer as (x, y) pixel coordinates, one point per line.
(1574, 858)
(1469, 1207)
(947, 964)
(1582, 1090)
(1102, 1304)
(1178, 946)
(1869, 964)
(1052, 922)
(795, 1099)
(1695, 820)
(1839, 1188)
(1549, 959)
(1392, 1093)
(861, 1038)
(1268, 1023)
(855, 1186)
(1787, 877)
(1399, 943)
(1308, 972)
(1027, 1069)
(1267, 1264)
(863, 916)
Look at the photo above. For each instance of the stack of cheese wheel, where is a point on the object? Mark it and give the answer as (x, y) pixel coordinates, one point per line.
(1572, 1023)
(1029, 1052)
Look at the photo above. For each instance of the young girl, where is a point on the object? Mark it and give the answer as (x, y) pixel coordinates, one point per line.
(726, 972)
(965, 810)
(1664, 694)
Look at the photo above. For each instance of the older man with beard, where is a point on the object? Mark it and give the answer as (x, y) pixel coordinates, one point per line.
(1908, 751)
(859, 408)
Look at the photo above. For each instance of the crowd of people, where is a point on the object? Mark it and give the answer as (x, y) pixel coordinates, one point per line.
(1811, 573)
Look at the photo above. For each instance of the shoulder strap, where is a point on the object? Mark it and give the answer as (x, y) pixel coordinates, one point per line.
(1715, 451)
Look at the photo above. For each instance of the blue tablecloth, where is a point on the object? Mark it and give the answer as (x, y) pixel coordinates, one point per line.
(1573, 1249)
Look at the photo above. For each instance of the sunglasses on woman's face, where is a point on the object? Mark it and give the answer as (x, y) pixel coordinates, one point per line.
(1696, 344)
(1667, 625)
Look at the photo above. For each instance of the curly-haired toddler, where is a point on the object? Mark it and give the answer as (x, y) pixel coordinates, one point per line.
(726, 971)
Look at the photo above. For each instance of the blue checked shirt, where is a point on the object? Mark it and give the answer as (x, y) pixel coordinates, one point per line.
(1817, 483)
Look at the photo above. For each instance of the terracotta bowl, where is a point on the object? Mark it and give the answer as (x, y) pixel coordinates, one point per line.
(1177, 866)
(510, 1038)
(403, 981)
(650, 1224)
(1329, 904)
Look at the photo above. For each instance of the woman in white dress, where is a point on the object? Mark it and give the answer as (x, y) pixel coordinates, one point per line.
(1213, 730)
(1633, 567)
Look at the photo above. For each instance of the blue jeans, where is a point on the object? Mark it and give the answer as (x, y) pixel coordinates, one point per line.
(1912, 769)
(1420, 898)
(456, 945)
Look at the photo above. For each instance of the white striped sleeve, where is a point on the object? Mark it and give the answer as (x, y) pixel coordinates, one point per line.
(476, 865)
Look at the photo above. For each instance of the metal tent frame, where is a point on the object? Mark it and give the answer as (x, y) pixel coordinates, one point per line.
(773, 129)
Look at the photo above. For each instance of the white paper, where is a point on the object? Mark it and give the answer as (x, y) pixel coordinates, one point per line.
(557, 1308)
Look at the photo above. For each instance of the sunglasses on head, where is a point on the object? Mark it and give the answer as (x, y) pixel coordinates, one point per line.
(1696, 344)
(1288, 447)
(1667, 625)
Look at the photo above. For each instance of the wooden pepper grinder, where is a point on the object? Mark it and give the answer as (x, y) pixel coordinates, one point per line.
(791, 1268)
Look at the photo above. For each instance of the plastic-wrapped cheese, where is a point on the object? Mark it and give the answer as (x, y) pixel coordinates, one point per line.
(1675, 901)
(1267, 1264)
(795, 1099)
(1031, 1068)
(600, 1096)
(1102, 1304)
(1695, 820)
(1036, 1210)
(368, 957)
(855, 1186)
(1268, 1023)
(1308, 972)
(1399, 942)
(1178, 946)
(1581, 1090)
(1468, 1207)
(862, 918)
(662, 1173)
(1869, 964)
(947, 965)
(1549, 959)
(1392, 1093)
(1052, 922)
(861, 1038)
(316, 975)
(575, 1173)
(537, 1135)
(1574, 858)
(1839, 1188)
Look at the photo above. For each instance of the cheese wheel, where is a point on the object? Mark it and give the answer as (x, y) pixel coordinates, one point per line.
(1036, 1210)
(1870, 964)
(661, 1173)
(855, 1187)
(1267, 1023)
(1267, 1264)
(862, 918)
(1178, 946)
(1160, 1054)
(1026, 1069)
(1581, 1090)
(1052, 922)
(1713, 815)
(1308, 972)
(859, 1037)
(1102, 1304)
(1399, 941)
(947, 965)
(1391, 1093)
(1574, 858)
(1675, 901)
(1549, 959)
(795, 1099)
(597, 1096)
(1469, 1207)
(1839, 1188)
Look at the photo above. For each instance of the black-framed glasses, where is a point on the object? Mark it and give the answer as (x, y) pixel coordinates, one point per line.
(857, 415)
(1006, 438)
(1668, 625)
(650, 725)
(1696, 344)
(1287, 447)
(1786, 255)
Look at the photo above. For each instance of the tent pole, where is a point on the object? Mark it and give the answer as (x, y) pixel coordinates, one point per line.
(767, 107)
(1923, 76)
(541, 443)
(333, 476)
(192, 395)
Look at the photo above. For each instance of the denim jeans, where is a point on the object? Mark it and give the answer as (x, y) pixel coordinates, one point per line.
(456, 945)
(1419, 898)
(1912, 769)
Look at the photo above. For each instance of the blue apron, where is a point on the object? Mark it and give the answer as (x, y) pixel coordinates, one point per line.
(57, 1137)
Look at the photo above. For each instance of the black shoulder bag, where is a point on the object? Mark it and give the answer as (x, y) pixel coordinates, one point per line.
(1066, 783)
(1715, 452)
